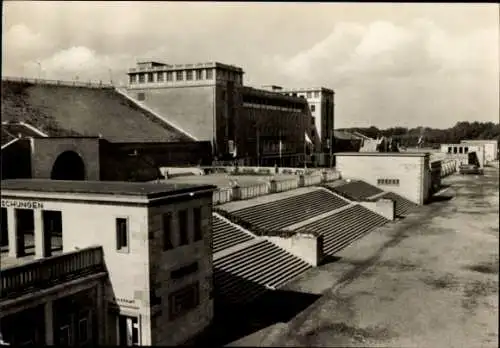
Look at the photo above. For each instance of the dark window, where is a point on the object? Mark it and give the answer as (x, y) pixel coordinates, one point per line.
(121, 234)
(153, 299)
(133, 79)
(65, 336)
(159, 77)
(141, 96)
(179, 75)
(199, 74)
(150, 77)
(4, 238)
(83, 326)
(449, 149)
(142, 78)
(198, 231)
(170, 75)
(466, 149)
(189, 74)
(460, 149)
(209, 74)
(184, 271)
(183, 227)
(313, 108)
(167, 231)
(183, 300)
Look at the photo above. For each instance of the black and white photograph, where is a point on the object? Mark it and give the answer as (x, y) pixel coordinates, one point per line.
(266, 174)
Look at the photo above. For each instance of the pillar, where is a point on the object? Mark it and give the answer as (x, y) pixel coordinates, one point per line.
(12, 232)
(302, 180)
(236, 193)
(49, 322)
(274, 186)
(101, 308)
(41, 248)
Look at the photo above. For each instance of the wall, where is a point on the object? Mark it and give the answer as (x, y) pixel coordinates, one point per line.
(307, 247)
(85, 224)
(490, 148)
(167, 332)
(408, 168)
(44, 152)
(384, 207)
(189, 107)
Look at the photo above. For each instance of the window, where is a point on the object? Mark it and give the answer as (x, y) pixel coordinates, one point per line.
(65, 336)
(183, 227)
(309, 94)
(83, 330)
(316, 94)
(209, 74)
(167, 231)
(449, 149)
(198, 231)
(184, 271)
(393, 182)
(466, 150)
(4, 238)
(313, 108)
(170, 76)
(141, 96)
(153, 299)
(183, 300)
(128, 331)
(454, 149)
(142, 78)
(122, 234)
(179, 76)
(133, 79)
(159, 77)
(460, 149)
(150, 77)
(189, 74)
(199, 74)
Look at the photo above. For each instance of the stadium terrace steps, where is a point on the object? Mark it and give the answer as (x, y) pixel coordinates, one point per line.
(60, 110)
(226, 235)
(247, 273)
(403, 205)
(355, 190)
(288, 211)
(344, 227)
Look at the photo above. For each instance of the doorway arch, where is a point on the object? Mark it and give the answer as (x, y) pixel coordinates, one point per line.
(68, 166)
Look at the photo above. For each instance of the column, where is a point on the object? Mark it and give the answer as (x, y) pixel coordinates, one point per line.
(101, 315)
(40, 240)
(49, 323)
(12, 232)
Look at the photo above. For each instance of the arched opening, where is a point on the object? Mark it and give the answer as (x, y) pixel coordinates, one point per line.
(68, 166)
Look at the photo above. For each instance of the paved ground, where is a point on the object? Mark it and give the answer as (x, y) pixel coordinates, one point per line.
(430, 280)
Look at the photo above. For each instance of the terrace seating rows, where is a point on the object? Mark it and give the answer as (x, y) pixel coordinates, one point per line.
(226, 235)
(288, 211)
(247, 273)
(342, 228)
(403, 205)
(356, 190)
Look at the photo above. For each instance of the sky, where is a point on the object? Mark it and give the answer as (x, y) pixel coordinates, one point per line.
(390, 64)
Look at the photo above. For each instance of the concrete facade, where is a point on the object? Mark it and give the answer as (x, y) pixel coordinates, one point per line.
(406, 174)
(139, 283)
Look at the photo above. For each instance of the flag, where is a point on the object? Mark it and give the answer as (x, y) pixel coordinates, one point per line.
(307, 139)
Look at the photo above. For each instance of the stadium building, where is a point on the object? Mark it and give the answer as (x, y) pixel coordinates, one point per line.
(209, 102)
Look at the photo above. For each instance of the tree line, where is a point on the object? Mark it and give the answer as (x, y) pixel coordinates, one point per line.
(432, 137)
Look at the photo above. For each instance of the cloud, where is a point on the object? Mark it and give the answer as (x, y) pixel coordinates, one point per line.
(417, 74)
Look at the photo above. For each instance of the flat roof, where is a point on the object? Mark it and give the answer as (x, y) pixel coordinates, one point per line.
(115, 188)
(383, 154)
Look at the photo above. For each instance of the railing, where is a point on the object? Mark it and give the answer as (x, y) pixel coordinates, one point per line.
(222, 196)
(44, 273)
(286, 185)
(254, 191)
(310, 180)
(58, 82)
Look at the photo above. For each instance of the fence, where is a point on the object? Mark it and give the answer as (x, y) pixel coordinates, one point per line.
(43, 273)
(254, 191)
(286, 185)
(448, 167)
(223, 196)
(88, 84)
(312, 180)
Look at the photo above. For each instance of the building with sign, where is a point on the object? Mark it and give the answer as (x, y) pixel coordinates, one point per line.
(116, 263)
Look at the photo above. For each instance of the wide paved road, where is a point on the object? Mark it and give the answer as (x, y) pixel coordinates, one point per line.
(430, 280)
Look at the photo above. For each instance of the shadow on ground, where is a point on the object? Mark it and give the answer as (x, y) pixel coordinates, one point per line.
(234, 321)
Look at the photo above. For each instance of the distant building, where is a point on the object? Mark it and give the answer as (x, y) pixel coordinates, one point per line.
(465, 153)
(490, 148)
(105, 263)
(209, 102)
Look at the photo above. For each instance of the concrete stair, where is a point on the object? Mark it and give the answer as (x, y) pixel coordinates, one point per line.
(247, 273)
(343, 228)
